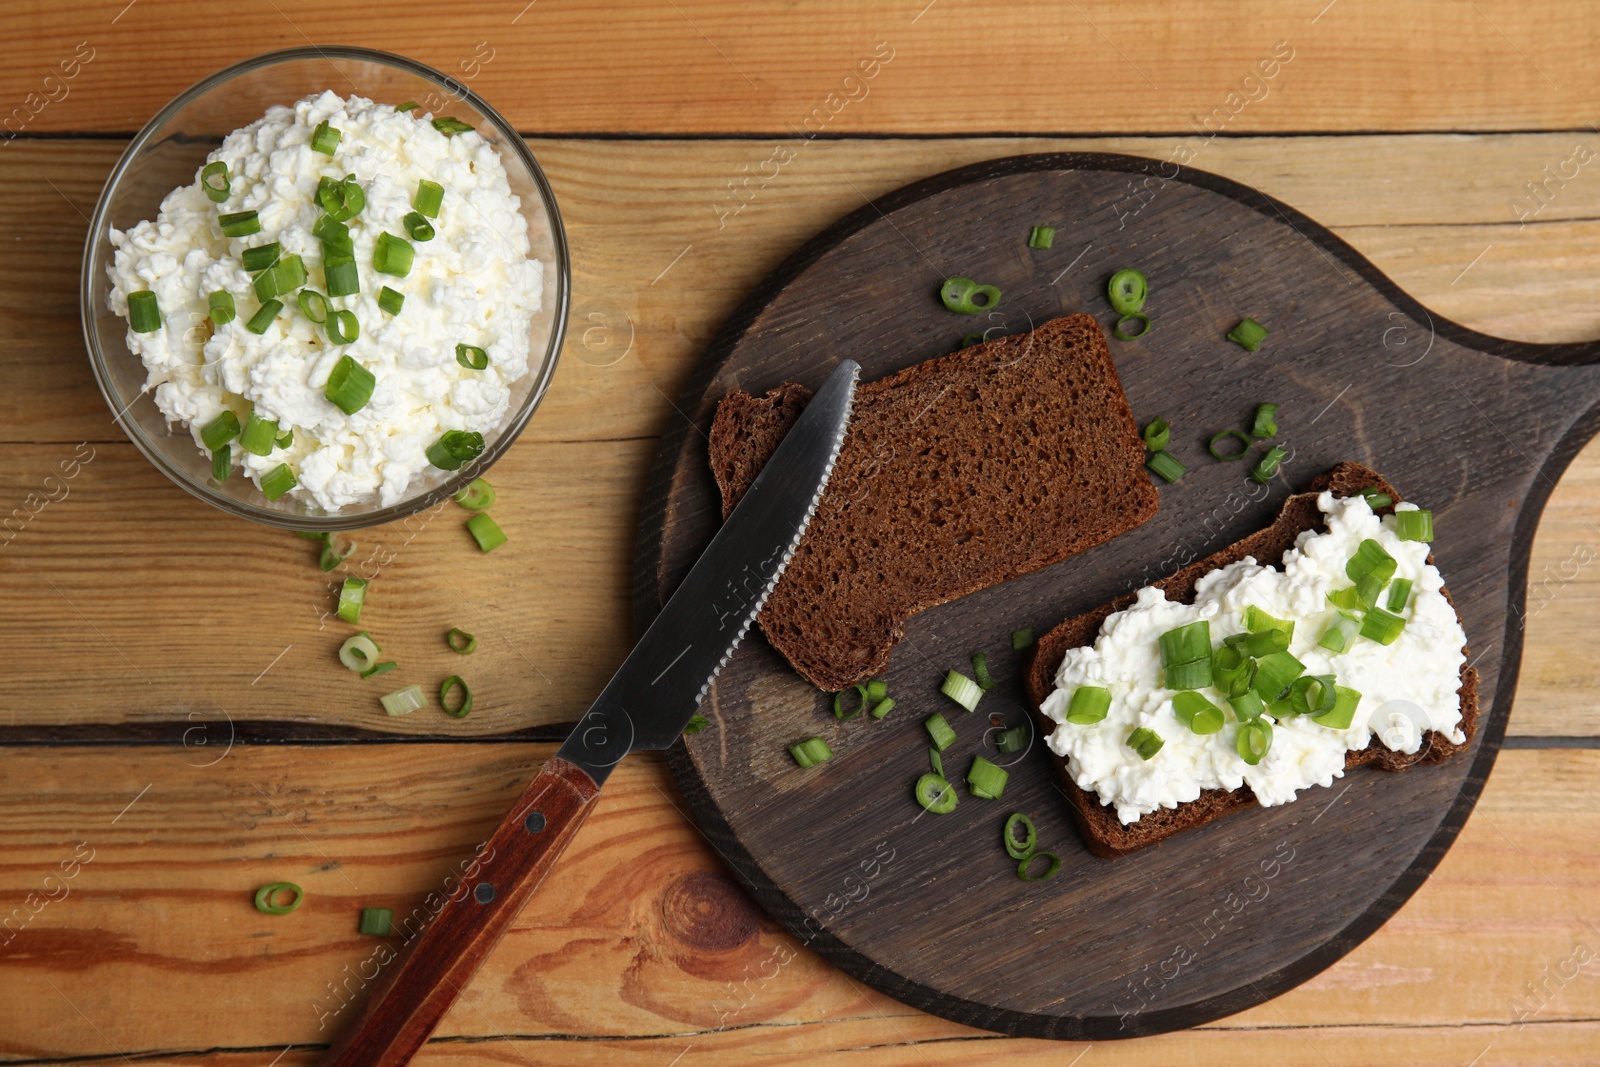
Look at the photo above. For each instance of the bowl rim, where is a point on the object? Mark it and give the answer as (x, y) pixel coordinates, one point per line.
(511, 431)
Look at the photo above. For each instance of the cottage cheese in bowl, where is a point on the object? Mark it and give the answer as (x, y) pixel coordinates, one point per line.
(470, 291)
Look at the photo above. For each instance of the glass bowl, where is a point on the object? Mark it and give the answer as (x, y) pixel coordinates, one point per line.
(167, 153)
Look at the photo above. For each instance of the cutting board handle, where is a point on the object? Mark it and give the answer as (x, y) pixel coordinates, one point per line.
(425, 978)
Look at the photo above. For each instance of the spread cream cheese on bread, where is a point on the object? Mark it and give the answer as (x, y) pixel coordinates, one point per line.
(1407, 687)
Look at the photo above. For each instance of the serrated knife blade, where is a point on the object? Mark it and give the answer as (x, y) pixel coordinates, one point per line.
(646, 705)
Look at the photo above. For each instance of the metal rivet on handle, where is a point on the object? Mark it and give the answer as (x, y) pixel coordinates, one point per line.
(483, 893)
(534, 822)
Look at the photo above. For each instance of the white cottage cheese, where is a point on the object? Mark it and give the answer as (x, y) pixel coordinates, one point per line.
(473, 283)
(1406, 687)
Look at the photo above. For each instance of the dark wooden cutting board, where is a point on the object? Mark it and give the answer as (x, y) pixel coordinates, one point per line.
(929, 909)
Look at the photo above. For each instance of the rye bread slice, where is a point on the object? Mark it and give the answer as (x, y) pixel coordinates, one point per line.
(957, 473)
(1102, 831)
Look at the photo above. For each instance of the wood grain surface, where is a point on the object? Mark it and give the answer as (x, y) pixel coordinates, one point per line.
(1435, 121)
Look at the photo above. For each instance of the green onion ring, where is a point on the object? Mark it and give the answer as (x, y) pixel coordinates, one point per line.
(444, 692)
(461, 642)
(1052, 865)
(266, 894)
(1228, 457)
(1138, 319)
(1127, 290)
(1020, 850)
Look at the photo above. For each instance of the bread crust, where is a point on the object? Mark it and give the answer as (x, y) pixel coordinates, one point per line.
(958, 473)
(1098, 824)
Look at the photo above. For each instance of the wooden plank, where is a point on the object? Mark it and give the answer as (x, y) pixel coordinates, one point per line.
(708, 66)
(1367, 188)
(639, 938)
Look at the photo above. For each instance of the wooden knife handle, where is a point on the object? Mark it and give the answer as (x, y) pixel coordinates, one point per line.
(419, 985)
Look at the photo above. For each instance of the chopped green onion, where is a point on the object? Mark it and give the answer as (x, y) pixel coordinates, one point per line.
(877, 689)
(450, 126)
(1340, 632)
(1399, 593)
(340, 274)
(1382, 626)
(1186, 643)
(472, 357)
(263, 317)
(486, 532)
(380, 668)
(1014, 739)
(1197, 713)
(1124, 332)
(454, 448)
(342, 200)
(962, 690)
(985, 780)
(460, 641)
(1231, 669)
(392, 255)
(222, 463)
(409, 105)
(1089, 705)
(314, 306)
(260, 257)
(404, 701)
(1268, 466)
(220, 430)
(344, 328)
(1127, 290)
(239, 224)
(455, 682)
(259, 435)
(1020, 848)
(359, 652)
(1275, 673)
(1248, 705)
(278, 481)
(1347, 599)
(882, 708)
(1228, 457)
(429, 196)
(973, 339)
(938, 729)
(390, 300)
(1157, 434)
(376, 922)
(1052, 864)
(1344, 709)
(1312, 694)
(352, 594)
(325, 138)
(697, 722)
(862, 701)
(215, 181)
(417, 226)
(1376, 499)
(267, 898)
(961, 295)
(1248, 334)
(144, 314)
(1145, 741)
(935, 762)
(477, 496)
(1413, 525)
(1266, 422)
(1021, 639)
(1192, 675)
(1253, 741)
(811, 752)
(1370, 558)
(310, 535)
(980, 670)
(1256, 620)
(221, 303)
(334, 235)
(1259, 644)
(1165, 465)
(935, 794)
(331, 557)
(1041, 237)
(349, 384)
(1367, 589)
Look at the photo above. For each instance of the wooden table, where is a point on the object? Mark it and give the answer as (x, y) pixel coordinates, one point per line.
(142, 632)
